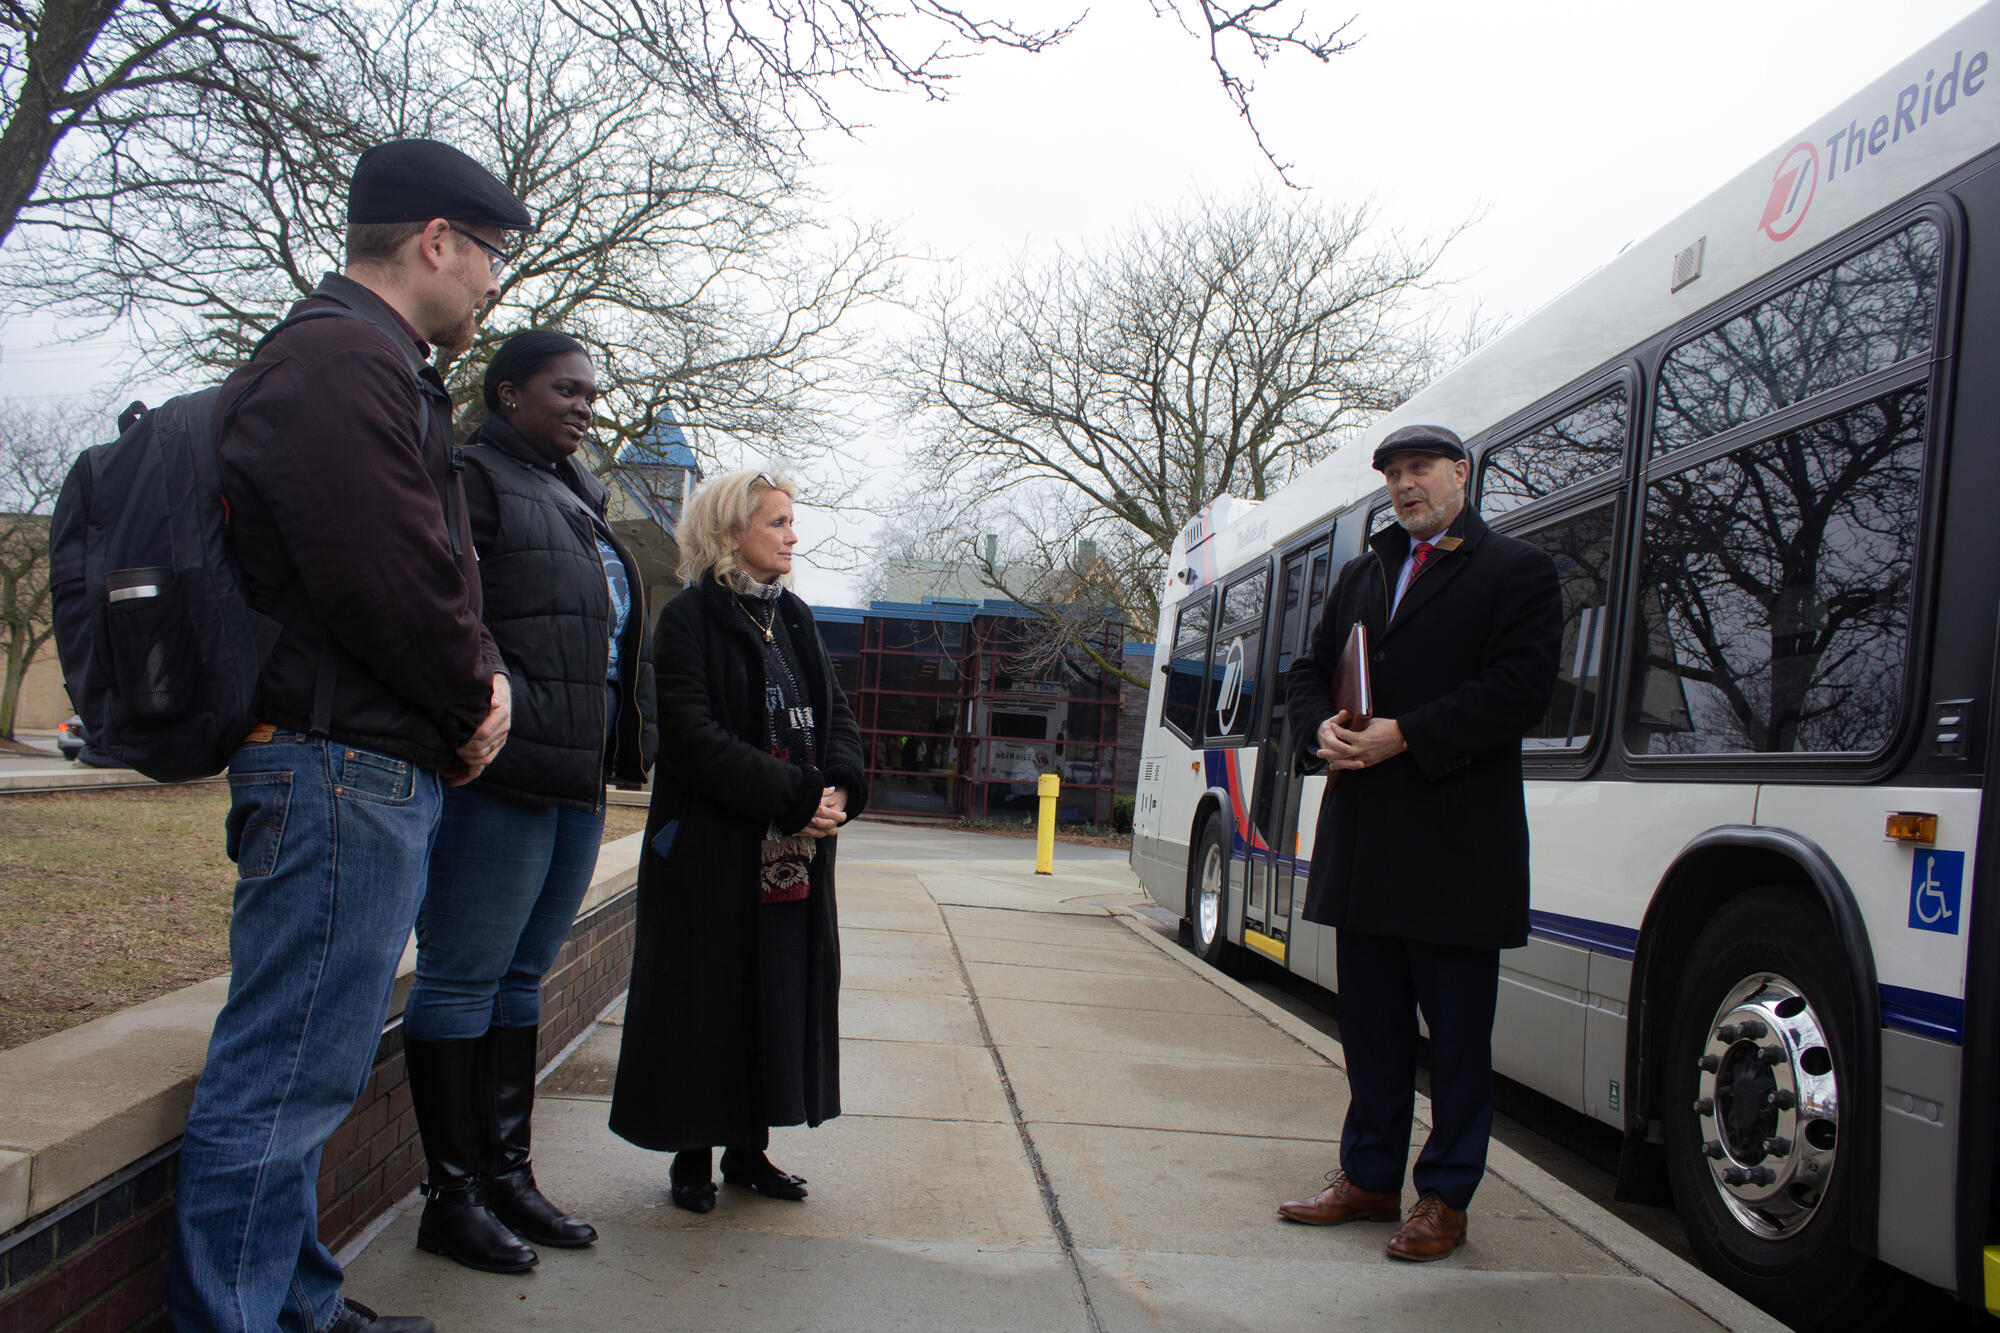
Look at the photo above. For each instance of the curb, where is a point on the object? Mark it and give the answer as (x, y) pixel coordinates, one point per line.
(1603, 1229)
(100, 779)
(76, 778)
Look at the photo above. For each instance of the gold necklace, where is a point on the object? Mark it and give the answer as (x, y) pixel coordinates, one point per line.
(765, 627)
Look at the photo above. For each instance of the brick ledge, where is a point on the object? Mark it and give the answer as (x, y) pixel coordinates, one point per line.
(81, 1105)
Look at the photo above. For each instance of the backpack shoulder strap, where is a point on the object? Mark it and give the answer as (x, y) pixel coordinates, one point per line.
(342, 312)
(305, 317)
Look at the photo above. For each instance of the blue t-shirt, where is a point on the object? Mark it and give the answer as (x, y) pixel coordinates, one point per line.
(621, 600)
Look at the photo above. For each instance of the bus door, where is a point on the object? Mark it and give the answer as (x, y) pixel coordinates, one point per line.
(1276, 876)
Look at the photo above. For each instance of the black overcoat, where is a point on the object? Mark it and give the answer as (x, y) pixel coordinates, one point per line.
(688, 1071)
(1432, 845)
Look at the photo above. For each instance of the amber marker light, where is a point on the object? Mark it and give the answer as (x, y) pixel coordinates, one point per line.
(1910, 826)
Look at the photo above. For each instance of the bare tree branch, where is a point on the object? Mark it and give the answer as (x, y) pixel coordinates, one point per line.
(1087, 406)
(37, 445)
(693, 269)
(1217, 352)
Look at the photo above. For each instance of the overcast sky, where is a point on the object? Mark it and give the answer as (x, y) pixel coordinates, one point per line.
(1565, 129)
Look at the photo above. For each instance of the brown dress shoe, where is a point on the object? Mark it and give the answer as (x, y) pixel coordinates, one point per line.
(1342, 1201)
(1433, 1230)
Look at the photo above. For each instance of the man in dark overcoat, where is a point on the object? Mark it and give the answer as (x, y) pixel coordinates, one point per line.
(1421, 857)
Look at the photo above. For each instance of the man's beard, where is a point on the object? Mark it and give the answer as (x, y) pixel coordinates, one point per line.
(1432, 520)
(458, 340)
(1421, 524)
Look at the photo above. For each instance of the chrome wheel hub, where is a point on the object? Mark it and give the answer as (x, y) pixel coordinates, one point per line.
(1208, 901)
(1768, 1106)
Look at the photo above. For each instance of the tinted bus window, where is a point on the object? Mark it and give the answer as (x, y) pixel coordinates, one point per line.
(1292, 612)
(1580, 545)
(1245, 600)
(1586, 443)
(1316, 590)
(1869, 311)
(1775, 590)
(1182, 709)
(1236, 662)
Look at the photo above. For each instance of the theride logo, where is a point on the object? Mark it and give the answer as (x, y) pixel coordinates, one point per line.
(1792, 188)
(1853, 146)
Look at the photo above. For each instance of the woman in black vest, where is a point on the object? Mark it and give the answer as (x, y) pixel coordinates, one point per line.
(516, 849)
(731, 1024)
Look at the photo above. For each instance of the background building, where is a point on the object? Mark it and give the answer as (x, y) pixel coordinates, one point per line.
(650, 483)
(963, 705)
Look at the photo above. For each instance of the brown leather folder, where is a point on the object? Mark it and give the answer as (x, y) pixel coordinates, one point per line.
(1352, 689)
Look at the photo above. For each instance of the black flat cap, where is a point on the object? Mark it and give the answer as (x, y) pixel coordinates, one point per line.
(415, 180)
(1421, 440)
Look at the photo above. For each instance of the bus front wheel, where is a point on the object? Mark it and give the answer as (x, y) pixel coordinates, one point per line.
(1208, 891)
(1762, 1036)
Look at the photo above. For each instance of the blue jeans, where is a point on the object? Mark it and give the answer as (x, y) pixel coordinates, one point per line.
(330, 843)
(506, 879)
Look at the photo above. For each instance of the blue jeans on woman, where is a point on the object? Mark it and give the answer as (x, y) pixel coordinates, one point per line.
(329, 842)
(506, 879)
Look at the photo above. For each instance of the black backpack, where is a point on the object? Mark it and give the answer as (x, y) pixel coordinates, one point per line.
(160, 648)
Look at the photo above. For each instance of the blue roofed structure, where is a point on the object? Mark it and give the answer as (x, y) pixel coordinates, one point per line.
(658, 471)
(651, 480)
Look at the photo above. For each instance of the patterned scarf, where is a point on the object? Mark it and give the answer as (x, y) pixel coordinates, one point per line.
(786, 874)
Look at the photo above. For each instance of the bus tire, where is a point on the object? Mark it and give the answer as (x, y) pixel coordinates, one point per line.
(1208, 892)
(1762, 1033)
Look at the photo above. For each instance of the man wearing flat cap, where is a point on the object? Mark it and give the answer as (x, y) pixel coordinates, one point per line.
(1421, 858)
(349, 526)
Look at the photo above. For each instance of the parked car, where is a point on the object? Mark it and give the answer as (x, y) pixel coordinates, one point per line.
(70, 738)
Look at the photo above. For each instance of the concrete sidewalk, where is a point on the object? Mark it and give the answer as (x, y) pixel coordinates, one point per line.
(1053, 1120)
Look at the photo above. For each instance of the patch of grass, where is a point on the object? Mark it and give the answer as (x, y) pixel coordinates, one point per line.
(620, 820)
(109, 898)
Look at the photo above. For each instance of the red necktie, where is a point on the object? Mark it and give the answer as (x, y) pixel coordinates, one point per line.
(1418, 556)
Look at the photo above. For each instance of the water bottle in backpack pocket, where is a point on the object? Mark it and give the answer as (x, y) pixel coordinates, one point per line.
(160, 650)
(147, 632)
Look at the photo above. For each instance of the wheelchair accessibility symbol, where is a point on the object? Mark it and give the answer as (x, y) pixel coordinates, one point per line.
(1936, 879)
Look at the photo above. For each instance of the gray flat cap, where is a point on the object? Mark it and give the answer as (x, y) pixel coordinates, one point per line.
(415, 180)
(1421, 440)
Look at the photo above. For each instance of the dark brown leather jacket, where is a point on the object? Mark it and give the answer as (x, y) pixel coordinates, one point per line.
(349, 523)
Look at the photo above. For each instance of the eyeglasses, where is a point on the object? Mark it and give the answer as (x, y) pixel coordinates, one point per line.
(764, 477)
(496, 258)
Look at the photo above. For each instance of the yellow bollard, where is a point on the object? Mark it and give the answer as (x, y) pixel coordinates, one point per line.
(1046, 787)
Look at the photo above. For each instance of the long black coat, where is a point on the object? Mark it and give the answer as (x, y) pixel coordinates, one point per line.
(1432, 845)
(688, 1071)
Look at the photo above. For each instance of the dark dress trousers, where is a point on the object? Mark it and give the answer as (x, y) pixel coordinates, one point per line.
(1421, 862)
(691, 1070)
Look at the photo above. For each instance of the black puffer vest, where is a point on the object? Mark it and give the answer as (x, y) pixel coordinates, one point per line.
(548, 608)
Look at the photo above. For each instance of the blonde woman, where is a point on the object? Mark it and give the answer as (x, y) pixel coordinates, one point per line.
(731, 1025)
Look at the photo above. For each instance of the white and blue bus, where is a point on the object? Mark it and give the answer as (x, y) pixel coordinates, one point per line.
(1763, 447)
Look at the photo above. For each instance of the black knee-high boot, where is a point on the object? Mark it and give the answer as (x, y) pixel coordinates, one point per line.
(452, 1103)
(511, 1193)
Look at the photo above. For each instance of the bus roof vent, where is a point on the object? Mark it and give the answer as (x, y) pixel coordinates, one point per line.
(1687, 265)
